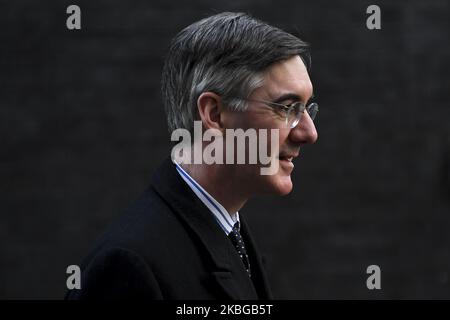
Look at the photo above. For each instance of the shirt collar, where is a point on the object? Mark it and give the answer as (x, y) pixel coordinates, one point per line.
(225, 220)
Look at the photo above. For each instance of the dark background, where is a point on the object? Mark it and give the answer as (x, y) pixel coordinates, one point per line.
(82, 129)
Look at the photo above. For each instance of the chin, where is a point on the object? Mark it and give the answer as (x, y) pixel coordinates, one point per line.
(278, 184)
(283, 185)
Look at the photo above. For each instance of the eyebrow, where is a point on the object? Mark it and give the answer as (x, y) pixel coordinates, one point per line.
(289, 96)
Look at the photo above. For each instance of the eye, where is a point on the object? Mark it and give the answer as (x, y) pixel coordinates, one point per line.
(295, 105)
(280, 111)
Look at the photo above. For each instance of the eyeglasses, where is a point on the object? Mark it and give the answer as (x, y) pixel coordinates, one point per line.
(292, 113)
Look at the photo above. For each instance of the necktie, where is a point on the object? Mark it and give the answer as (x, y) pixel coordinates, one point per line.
(238, 243)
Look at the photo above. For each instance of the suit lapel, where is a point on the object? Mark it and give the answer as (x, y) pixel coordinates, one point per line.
(258, 271)
(228, 271)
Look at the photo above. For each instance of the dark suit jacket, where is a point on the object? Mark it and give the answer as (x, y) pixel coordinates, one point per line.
(168, 245)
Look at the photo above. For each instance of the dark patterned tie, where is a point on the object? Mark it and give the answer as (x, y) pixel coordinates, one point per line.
(238, 243)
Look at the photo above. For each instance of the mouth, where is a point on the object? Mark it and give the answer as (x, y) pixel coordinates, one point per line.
(287, 156)
(286, 161)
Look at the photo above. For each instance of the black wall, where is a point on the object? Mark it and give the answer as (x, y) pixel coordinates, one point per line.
(82, 128)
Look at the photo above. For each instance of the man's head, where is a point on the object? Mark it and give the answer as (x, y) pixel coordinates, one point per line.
(215, 70)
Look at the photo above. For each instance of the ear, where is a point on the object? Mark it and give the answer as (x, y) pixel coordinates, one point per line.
(210, 108)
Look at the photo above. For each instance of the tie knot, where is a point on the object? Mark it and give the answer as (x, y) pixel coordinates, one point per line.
(236, 227)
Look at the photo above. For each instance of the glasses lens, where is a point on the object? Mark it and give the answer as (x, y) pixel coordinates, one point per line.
(294, 114)
(312, 110)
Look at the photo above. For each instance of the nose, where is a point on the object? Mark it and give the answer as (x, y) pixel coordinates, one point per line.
(304, 132)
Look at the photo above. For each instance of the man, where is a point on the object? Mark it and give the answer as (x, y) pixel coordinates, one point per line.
(184, 237)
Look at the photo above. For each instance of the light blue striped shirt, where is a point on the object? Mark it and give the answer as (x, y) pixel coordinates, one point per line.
(223, 218)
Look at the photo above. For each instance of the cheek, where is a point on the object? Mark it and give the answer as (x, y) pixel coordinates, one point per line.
(256, 119)
(280, 138)
(284, 136)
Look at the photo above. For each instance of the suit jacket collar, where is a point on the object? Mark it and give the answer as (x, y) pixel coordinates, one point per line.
(228, 270)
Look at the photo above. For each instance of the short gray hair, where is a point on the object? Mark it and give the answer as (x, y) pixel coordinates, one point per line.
(226, 54)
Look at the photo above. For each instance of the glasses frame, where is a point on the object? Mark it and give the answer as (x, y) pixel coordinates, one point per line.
(312, 109)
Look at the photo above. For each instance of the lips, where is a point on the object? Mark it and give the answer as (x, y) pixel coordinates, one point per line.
(287, 156)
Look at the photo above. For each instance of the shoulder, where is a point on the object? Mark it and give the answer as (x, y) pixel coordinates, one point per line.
(117, 273)
(146, 224)
(126, 259)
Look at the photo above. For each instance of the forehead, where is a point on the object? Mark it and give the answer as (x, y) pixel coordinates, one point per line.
(287, 77)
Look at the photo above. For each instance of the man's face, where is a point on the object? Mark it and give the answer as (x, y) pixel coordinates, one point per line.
(284, 82)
